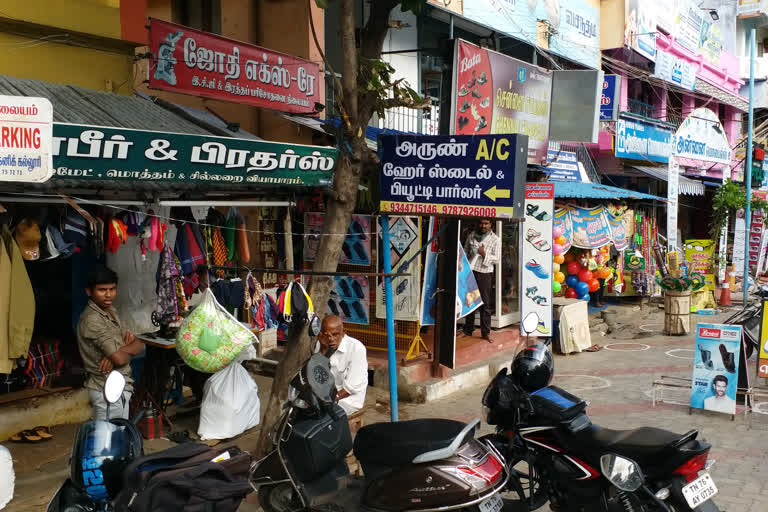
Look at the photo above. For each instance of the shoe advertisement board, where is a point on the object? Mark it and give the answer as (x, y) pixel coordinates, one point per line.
(716, 367)
(536, 289)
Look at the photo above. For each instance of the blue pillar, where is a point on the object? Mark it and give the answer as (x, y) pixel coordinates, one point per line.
(391, 360)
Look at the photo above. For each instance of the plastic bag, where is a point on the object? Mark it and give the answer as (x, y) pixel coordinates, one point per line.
(230, 401)
(210, 338)
(6, 477)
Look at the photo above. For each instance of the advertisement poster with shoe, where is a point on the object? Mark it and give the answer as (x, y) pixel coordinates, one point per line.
(350, 299)
(716, 367)
(404, 244)
(356, 249)
(536, 296)
(496, 94)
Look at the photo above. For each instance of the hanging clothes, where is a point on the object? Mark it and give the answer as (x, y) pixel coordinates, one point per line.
(21, 313)
(181, 250)
(219, 252)
(200, 242)
(168, 278)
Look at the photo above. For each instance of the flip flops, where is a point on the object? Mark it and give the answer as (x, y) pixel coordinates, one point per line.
(534, 238)
(35, 435)
(594, 348)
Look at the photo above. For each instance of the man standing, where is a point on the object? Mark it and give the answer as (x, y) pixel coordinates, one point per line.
(349, 363)
(104, 344)
(720, 402)
(483, 250)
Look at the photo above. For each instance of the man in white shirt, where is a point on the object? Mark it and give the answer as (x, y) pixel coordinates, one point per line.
(483, 250)
(349, 363)
(720, 402)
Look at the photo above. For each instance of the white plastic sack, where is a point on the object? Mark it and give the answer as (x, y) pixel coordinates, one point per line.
(6, 477)
(230, 401)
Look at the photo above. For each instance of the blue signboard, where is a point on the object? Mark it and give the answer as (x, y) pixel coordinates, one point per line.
(642, 141)
(609, 101)
(563, 166)
(459, 175)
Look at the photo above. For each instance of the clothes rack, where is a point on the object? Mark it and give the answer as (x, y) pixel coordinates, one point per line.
(307, 272)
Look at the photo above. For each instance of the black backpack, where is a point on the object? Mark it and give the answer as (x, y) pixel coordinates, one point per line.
(184, 478)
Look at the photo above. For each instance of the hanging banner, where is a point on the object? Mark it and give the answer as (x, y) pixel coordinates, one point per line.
(702, 137)
(675, 70)
(536, 255)
(590, 228)
(467, 176)
(640, 28)
(698, 254)
(688, 28)
(350, 299)
(715, 367)
(429, 289)
(496, 94)
(711, 44)
(739, 243)
(26, 126)
(673, 184)
(189, 61)
(356, 249)
(563, 221)
(100, 153)
(404, 244)
(618, 231)
(467, 292)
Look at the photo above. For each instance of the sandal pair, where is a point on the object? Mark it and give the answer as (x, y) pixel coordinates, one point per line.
(534, 238)
(34, 435)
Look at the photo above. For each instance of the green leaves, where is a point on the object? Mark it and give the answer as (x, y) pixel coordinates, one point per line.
(323, 4)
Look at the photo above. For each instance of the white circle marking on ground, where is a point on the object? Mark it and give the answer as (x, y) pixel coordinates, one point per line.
(757, 407)
(643, 327)
(642, 345)
(604, 383)
(670, 353)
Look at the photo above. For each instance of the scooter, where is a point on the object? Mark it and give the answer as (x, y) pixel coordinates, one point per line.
(101, 450)
(419, 465)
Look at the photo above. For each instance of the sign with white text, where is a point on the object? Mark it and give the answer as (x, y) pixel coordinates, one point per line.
(642, 141)
(716, 367)
(702, 137)
(26, 126)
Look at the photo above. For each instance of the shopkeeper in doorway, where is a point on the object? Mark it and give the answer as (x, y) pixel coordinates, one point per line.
(349, 363)
(483, 250)
(104, 344)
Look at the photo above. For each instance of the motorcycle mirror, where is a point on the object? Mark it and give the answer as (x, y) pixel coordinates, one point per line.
(314, 326)
(114, 386)
(530, 323)
(622, 472)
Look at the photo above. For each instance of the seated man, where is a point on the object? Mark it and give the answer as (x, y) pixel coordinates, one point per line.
(349, 363)
(104, 344)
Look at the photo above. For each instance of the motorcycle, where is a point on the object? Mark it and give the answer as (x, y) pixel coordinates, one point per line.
(749, 318)
(102, 449)
(558, 455)
(419, 465)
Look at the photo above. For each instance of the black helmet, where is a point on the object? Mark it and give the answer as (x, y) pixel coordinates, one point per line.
(101, 451)
(533, 368)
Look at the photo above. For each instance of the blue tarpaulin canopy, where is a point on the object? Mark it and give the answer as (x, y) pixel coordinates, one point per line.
(579, 190)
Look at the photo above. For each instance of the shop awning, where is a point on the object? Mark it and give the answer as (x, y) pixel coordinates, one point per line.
(582, 190)
(686, 186)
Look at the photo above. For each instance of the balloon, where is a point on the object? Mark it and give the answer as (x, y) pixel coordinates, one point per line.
(582, 288)
(570, 256)
(594, 285)
(584, 297)
(556, 287)
(585, 275)
(604, 273)
(559, 259)
(573, 268)
(555, 267)
(571, 293)
(571, 281)
(557, 231)
(559, 277)
(557, 249)
(560, 240)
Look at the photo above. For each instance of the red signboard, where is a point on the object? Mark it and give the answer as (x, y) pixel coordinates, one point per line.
(189, 61)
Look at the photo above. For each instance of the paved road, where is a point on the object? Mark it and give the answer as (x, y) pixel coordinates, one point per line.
(617, 382)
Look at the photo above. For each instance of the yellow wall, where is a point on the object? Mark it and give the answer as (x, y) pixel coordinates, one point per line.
(611, 24)
(98, 17)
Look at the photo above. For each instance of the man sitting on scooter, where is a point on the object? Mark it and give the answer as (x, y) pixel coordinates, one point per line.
(104, 344)
(349, 363)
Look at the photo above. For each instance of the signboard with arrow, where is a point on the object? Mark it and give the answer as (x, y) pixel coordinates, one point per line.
(459, 176)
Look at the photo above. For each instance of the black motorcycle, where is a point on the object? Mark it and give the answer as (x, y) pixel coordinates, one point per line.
(560, 456)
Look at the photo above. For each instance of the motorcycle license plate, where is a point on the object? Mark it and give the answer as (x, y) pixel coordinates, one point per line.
(492, 504)
(699, 491)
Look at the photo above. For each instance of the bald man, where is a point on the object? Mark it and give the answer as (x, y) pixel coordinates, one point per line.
(349, 364)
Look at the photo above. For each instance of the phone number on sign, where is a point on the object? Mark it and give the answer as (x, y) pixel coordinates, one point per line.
(470, 211)
(440, 209)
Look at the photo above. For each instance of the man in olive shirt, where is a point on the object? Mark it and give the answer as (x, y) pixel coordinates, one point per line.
(104, 344)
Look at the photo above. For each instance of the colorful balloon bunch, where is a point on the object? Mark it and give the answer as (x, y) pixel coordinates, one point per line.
(578, 280)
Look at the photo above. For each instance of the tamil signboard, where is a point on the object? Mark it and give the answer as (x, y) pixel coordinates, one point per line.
(25, 139)
(609, 99)
(563, 166)
(496, 94)
(688, 27)
(702, 137)
(642, 141)
(675, 70)
(100, 153)
(462, 175)
(748, 8)
(189, 61)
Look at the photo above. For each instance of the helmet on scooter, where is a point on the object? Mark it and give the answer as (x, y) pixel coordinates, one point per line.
(101, 452)
(533, 368)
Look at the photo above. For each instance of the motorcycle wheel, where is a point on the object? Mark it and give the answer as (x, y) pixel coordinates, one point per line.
(536, 494)
(278, 498)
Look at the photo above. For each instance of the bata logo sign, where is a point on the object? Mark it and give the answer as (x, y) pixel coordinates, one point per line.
(26, 127)
(709, 333)
(729, 335)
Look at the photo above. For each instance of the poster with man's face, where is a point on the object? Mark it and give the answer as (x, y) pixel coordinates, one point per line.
(716, 367)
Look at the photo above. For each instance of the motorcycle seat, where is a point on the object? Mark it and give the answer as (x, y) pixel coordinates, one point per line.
(400, 443)
(641, 444)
